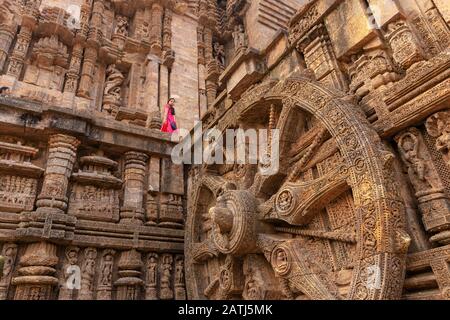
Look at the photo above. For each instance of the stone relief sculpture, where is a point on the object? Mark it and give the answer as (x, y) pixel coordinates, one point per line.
(219, 54)
(358, 207)
(240, 38)
(438, 126)
(113, 88)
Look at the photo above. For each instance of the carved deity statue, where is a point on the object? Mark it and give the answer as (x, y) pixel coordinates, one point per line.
(9, 255)
(418, 164)
(66, 288)
(152, 269)
(179, 272)
(114, 82)
(88, 273)
(122, 26)
(219, 54)
(166, 275)
(239, 37)
(107, 269)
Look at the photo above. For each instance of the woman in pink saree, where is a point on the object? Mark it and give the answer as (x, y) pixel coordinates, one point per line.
(169, 122)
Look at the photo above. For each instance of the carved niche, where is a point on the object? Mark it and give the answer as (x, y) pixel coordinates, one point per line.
(18, 176)
(95, 193)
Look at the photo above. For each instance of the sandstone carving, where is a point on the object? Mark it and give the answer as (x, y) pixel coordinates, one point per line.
(357, 106)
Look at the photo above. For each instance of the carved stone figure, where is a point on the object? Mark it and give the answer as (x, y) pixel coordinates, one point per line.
(438, 126)
(69, 282)
(417, 161)
(87, 274)
(113, 90)
(166, 277)
(122, 26)
(219, 54)
(240, 38)
(114, 80)
(152, 277)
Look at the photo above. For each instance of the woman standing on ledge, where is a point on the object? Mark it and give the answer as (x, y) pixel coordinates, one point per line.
(169, 121)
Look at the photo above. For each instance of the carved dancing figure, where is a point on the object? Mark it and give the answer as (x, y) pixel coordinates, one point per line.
(114, 82)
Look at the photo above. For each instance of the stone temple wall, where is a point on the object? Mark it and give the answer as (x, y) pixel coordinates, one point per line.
(92, 206)
(359, 207)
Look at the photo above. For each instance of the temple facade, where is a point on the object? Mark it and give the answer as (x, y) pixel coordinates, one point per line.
(93, 207)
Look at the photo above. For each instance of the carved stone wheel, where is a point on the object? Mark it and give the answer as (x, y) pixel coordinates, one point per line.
(328, 225)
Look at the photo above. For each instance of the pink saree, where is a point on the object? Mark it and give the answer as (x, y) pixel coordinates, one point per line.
(169, 125)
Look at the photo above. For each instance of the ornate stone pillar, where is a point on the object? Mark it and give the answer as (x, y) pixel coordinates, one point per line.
(6, 37)
(36, 278)
(151, 89)
(91, 52)
(20, 51)
(320, 58)
(61, 157)
(87, 73)
(132, 210)
(9, 253)
(208, 44)
(74, 69)
(130, 284)
(202, 70)
(211, 92)
(156, 29)
(50, 221)
(168, 56)
(430, 191)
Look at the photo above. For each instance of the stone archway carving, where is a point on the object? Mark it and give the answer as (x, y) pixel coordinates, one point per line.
(238, 239)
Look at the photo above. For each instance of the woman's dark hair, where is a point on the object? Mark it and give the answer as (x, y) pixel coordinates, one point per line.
(3, 89)
(171, 100)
